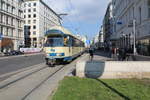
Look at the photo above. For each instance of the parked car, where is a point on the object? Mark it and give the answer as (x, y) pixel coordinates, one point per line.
(13, 52)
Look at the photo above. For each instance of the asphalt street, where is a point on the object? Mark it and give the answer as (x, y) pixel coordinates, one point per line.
(36, 83)
(16, 63)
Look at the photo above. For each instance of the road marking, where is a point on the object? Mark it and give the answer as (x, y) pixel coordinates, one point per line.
(19, 71)
(9, 57)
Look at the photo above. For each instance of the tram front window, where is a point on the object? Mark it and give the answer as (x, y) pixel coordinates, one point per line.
(54, 42)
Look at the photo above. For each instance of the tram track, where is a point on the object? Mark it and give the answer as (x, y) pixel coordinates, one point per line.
(24, 98)
(38, 77)
(29, 87)
(6, 82)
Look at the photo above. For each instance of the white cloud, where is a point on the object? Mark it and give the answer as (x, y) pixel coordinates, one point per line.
(80, 10)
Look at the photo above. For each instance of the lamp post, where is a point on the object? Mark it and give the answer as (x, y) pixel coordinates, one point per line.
(133, 25)
(62, 14)
(134, 36)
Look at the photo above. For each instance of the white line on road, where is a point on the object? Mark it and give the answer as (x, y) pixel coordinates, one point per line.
(25, 55)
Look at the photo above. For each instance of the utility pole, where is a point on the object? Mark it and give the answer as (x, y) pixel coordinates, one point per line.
(62, 14)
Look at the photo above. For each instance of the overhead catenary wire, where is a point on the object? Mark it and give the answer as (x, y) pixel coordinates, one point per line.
(77, 17)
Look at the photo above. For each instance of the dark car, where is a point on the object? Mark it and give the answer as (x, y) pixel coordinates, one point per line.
(16, 52)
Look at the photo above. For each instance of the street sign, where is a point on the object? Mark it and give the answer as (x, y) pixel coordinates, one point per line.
(88, 42)
(119, 23)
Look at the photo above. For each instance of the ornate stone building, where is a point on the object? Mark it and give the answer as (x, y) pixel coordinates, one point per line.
(11, 25)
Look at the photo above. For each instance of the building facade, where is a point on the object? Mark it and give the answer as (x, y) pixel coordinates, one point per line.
(101, 37)
(39, 18)
(11, 25)
(108, 26)
(125, 12)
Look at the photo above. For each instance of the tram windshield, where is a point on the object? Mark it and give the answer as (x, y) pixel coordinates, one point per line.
(54, 42)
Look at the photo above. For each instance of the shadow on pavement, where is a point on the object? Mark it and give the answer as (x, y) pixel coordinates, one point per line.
(94, 69)
(114, 90)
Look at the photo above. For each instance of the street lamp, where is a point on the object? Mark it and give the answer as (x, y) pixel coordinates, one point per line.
(134, 32)
(62, 14)
(133, 24)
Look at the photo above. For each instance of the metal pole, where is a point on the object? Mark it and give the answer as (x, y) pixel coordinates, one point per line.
(134, 36)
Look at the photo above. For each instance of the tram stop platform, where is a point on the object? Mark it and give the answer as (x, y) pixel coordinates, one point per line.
(103, 67)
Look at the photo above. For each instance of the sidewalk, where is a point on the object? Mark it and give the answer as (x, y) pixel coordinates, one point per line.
(132, 57)
(104, 67)
(140, 58)
(101, 56)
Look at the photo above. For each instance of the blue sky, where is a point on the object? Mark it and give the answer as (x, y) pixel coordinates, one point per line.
(84, 16)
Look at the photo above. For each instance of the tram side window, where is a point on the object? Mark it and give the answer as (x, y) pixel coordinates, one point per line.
(70, 41)
(76, 42)
(67, 41)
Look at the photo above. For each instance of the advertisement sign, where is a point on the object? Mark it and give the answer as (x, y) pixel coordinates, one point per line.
(30, 50)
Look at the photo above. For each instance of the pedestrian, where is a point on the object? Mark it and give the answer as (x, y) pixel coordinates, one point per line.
(91, 54)
(120, 54)
(124, 55)
(113, 53)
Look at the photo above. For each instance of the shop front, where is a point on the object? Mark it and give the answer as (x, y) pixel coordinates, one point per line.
(6, 45)
(143, 46)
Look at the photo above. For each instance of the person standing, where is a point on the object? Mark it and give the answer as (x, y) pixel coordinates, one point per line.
(120, 54)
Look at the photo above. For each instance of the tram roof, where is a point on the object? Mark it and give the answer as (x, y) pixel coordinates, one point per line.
(59, 30)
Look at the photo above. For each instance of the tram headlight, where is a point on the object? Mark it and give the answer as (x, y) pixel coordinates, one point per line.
(60, 54)
(47, 54)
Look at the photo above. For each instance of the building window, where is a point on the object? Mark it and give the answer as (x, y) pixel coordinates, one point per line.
(25, 11)
(29, 33)
(29, 5)
(34, 32)
(1, 30)
(29, 16)
(34, 27)
(34, 15)
(29, 21)
(140, 15)
(34, 4)
(34, 21)
(34, 9)
(24, 16)
(29, 10)
(6, 31)
(29, 27)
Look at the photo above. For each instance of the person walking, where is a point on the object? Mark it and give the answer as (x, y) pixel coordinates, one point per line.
(91, 54)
